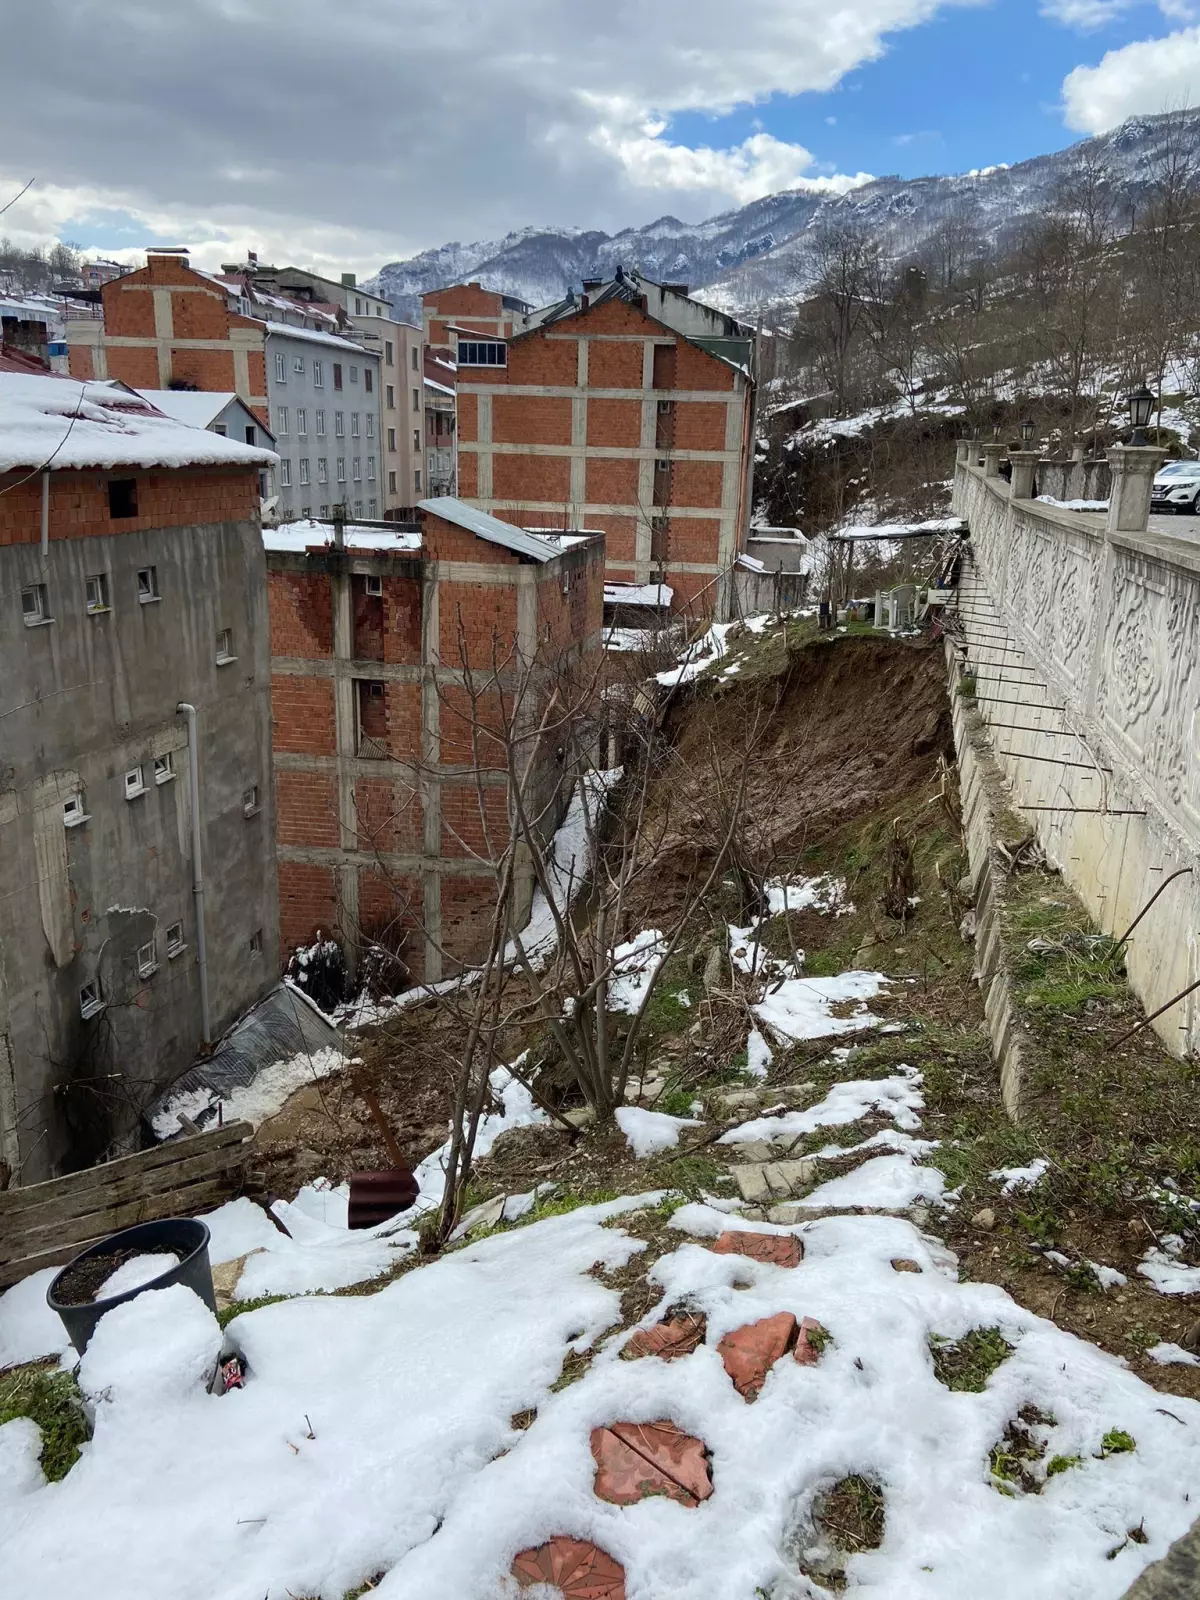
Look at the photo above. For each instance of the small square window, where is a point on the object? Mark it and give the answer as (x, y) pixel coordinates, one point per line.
(324, 512)
(73, 813)
(135, 783)
(147, 960)
(256, 943)
(374, 691)
(122, 497)
(665, 407)
(373, 586)
(298, 364)
(164, 768)
(175, 944)
(35, 605)
(91, 999)
(147, 581)
(251, 435)
(250, 805)
(97, 593)
(225, 647)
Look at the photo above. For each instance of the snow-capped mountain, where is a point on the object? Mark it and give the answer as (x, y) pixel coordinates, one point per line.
(759, 257)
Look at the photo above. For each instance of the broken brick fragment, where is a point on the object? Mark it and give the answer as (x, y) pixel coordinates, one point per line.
(668, 1339)
(782, 1249)
(635, 1460)
(806, 1352)
(750, 1352)
(578, 1569)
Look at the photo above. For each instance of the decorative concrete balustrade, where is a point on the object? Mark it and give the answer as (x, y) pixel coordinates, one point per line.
(1100, 617)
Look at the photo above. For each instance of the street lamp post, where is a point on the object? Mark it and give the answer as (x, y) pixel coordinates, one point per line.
(1141, 404)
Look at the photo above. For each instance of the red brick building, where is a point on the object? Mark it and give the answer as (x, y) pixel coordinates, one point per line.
(629, 409)
(468, 308)
(382, 793)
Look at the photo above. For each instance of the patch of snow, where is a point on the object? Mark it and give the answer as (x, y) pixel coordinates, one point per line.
(254, 1102)
(29, 1329)
(684, 999)
(309, 534)
(891, 1183)
(569, 864)
(825, 893)
(20, 1468)
(648, 1132)
(1015, 1178)
(898, 1097)
(1172, 1355)
(799, 1008)
(147, 1352)
(634, 966)
(1074, 505)
(135, 1272)
(1166, 1272)
(237, 1228)
(701, 653)
(759, 1055)
(1107, 1277)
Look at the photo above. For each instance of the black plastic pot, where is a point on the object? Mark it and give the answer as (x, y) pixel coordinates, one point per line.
(186, 1237)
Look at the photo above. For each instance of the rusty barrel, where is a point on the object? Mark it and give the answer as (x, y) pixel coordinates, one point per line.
(376, 1196)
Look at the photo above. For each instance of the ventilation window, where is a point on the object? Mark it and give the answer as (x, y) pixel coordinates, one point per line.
(164, 768)
(175, 943)
(250, 805)
(91, 999)
(97, 594)
(147, 960)
(662, 465)
(373, 587)
(225, 647)
(256, 943)
(148, 585)
(122, 497)
(135, 783)
(73, 813)
(35, 605)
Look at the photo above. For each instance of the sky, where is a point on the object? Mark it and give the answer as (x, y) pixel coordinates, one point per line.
(340, 134)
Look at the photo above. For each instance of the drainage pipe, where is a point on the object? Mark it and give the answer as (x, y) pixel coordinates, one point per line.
(45, 517)
(189, 711)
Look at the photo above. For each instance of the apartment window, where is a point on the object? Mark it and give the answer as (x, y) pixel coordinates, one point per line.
(250, 805)
(298, 365)
(665, 407)
(219, 427)
(358, 508)
(337, 374)
(341, 469)
(73, 813)
(389, 355)
(303, 469)
(353, 374)
(281, 420)
(391, 438)
(280, 367)
(372, 507)
(391, 483)
(324, 511)
(225, 647)
(416, 359)
(358, 307)
(96, 589)
(318, 374)
(35, 605)
(135, 783)
(147, 960)
(354, 424)
(370, 469)
(122, 497)
(301, 420)
(373, 586)
(322, 470)
(306, 512)
(356, 469)
(164, 768)
(417, 479)
(370, 424)
(147, 581)
(416, 399)
(285, 472)
(368, 380)
(662, 465)
(339, 424)
(416, 438)
(319, 418)
(91, 999)
(263, 486)
(256, 943)
(175, 944)
(482, 353)
(251, 435)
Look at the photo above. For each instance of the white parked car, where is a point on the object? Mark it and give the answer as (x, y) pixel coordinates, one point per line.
(1177, 488)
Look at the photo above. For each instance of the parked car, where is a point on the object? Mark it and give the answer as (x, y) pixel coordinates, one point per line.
(1177, 488)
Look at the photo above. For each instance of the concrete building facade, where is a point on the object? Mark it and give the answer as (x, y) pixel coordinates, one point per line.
(381, 821)
(324, 409)
(131, 585)
(441, 454)
(629, 408)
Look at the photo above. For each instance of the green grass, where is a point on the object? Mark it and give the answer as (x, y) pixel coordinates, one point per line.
(227, 1313)
(1116, 1442)
(1059, 1464)
(675, 1102)
(966, 1364)
(51, 1399)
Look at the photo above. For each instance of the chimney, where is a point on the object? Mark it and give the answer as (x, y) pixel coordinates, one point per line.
(475, 285)
(676, 288)
(252, 259)
(160, 254)
(590, 285)
(349, 280)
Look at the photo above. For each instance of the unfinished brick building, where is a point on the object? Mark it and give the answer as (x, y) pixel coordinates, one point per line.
(382, 793)
(630, 409)
(466, 308)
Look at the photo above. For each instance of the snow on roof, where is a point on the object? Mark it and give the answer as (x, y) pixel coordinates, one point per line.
(47, 419)
(638, 594)
(432, 383)
(309, 534)
(485, 526)
(284, 330)
(196, 407)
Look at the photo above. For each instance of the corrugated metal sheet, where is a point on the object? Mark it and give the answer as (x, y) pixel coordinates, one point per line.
(485, 526)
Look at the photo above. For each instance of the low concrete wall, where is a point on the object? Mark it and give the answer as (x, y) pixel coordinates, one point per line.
(1074, 480)
(1086, 647)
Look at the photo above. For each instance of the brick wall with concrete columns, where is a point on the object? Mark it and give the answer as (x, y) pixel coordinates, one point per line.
(393, 840)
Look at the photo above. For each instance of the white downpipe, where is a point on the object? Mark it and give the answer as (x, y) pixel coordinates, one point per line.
(189, 711)
(45, 517)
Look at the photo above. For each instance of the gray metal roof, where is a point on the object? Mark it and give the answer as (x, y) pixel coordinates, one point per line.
(484, 526)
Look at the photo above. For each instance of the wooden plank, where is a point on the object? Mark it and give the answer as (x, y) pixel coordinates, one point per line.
(143, 1161)
(199, 1197)
(71, 1211)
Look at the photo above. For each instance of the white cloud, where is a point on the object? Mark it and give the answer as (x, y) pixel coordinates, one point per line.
(1149, 76)
(1085, 13)
(356, 131)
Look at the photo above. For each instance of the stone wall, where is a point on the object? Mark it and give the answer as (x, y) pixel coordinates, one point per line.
(1085, 642)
